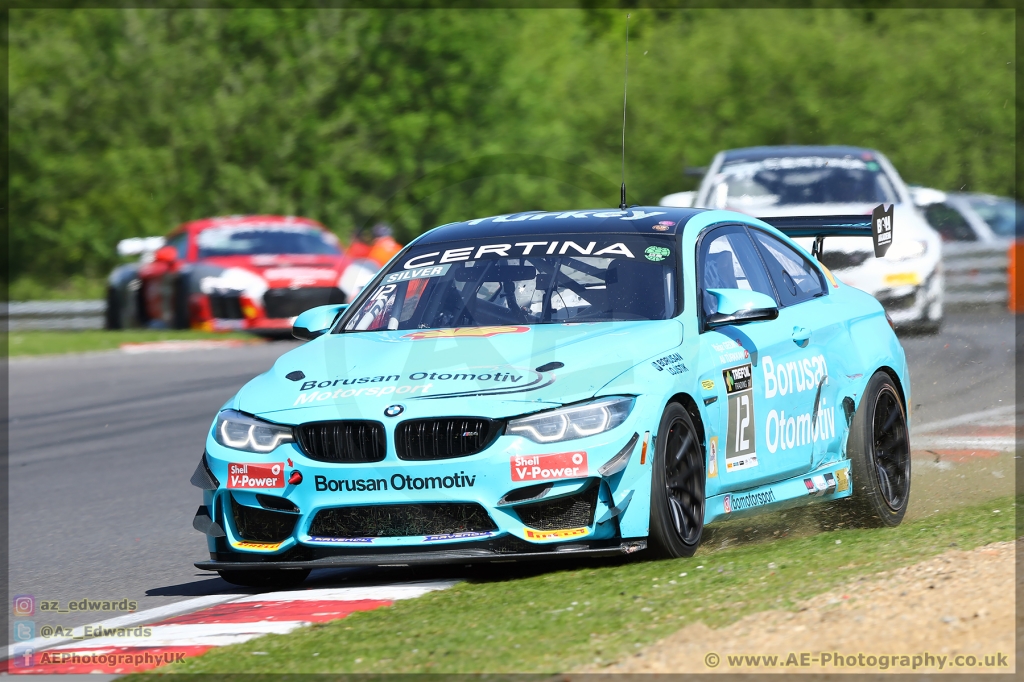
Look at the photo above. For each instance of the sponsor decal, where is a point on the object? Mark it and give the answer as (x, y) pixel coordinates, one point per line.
(784, 433)
(842, 480)
(708, 384)
(672, 363)
(741, 436)
(345, 541)
(532, 534)
(902, 279)
(713, 457)
(518, 249)
(881, 228)
(739, 502)
(500, 380)
(396, 482)
(549, 467)
(259, 546)
(727, 504)
(457, 536)
(795, 376)
(631, 214)
(417, 273)
(466, 332)
(663, 225)
(820, 485)
(726, 358)
(657, 253)
(255, 475)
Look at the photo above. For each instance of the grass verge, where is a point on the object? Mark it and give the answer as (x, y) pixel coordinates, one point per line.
(561, 620)
(49, 343)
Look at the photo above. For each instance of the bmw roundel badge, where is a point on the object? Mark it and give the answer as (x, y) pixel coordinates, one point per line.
(394, 410)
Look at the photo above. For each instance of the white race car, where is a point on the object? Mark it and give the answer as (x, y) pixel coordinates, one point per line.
(835, 180)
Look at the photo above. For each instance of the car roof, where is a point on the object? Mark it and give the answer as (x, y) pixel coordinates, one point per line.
(758, 153)
(634, 220)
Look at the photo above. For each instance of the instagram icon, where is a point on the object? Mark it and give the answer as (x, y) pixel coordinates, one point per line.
(24, 605)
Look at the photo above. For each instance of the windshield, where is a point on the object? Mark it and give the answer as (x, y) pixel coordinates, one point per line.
(1000, 214)
(545, 279)
(744, 184)
(252, 240)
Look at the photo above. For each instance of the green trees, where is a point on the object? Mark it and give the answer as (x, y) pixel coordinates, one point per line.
(127, 122)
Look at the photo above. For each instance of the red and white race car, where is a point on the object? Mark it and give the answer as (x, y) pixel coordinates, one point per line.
(251, 273)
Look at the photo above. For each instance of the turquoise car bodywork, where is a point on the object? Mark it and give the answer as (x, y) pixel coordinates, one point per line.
(772, 401)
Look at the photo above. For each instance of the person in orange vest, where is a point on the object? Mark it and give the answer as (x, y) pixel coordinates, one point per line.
(378, 245)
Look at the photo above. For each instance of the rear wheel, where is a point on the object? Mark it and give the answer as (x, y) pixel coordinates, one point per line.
(279, 578)
(677, 488)
(879, 451)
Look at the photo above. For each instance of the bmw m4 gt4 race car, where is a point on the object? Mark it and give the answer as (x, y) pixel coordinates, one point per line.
(581, 383)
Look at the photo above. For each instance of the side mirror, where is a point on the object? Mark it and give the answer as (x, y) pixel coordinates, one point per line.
(316, 321)
(738, 306)
(166, 254)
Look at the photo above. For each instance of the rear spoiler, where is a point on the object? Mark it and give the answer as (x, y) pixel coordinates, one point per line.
(878, 226)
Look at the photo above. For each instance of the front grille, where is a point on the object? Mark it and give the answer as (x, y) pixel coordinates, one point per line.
(840, 260)
(291, 302)
(401, 520)
(226, 306)
(343, 441)
(572, 511)
(262, 525)
(421, 439)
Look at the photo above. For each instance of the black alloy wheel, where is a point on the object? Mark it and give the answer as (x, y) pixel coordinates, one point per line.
(678, 494)
(879, 452)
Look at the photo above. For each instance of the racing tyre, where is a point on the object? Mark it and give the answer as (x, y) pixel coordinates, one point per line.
(879, 451)
(181, 319)
(270, 578)
(112, 315)
(677, 486)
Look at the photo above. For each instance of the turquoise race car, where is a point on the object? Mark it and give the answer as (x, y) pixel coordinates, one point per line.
(553, 384)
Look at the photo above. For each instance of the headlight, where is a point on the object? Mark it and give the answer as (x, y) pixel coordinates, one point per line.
(569, 423)
(907, 249)
(236, 430)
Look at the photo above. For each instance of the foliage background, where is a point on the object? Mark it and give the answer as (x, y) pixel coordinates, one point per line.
(127, 122)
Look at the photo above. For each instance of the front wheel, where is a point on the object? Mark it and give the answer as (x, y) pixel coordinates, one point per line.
(279, 579)
(879, 451)
(677, 487)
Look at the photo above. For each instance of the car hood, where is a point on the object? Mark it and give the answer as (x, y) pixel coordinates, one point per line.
(489, 371)
(282, 271)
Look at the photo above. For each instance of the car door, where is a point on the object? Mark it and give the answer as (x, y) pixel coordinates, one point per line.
(733, 361)
(800, 384)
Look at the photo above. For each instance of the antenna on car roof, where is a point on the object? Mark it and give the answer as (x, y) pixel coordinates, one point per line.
(625, 83)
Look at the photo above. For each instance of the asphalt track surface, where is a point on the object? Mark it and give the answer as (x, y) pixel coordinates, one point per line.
(102, 447)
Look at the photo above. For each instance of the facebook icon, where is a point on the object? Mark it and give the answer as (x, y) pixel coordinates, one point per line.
(24, 657)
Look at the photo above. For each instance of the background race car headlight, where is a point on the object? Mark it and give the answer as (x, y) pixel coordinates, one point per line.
(240, 432)
(569, 423)
(912, 248)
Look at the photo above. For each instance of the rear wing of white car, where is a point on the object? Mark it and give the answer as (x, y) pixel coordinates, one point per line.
(878, 226)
